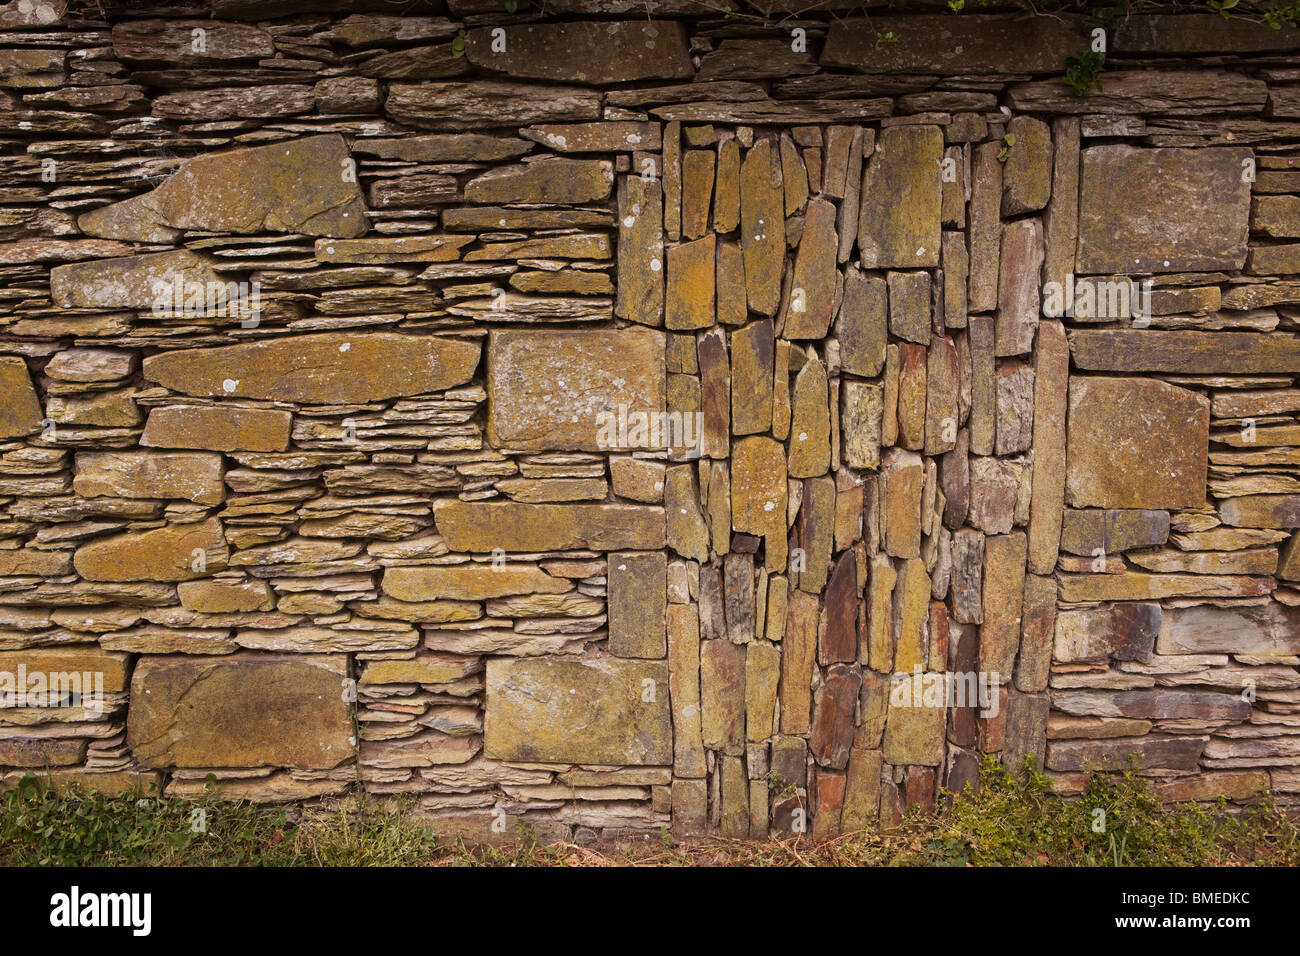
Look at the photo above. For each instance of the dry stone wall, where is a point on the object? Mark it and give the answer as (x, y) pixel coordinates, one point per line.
(615, 422)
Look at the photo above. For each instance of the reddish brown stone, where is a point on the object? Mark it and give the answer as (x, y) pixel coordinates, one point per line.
(839, 639)
(1123, 631)
(834, 705)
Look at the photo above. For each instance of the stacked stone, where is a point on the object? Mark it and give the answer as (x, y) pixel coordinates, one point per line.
(378, 532)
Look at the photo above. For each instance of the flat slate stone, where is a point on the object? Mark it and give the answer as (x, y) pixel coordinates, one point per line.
(722, 695)
(1125, 631)
(554, 180)
(1157, 704)
(217, 428)
(585, 52)
(26, 251)
(1051, 403)
(483, 526)
(242, 710)
(1183, 210)
(944, 44)
(1197, 33)
(274, 100)
(1019, 304)
(1166, 753)
(169, 553)
(296, 186)
(385, 249)
(1136, 443)
(130, 282)
(752, 357)
(1136, 586)
(80, 658)
(482, 104)
(1027, 173)
(1186, 353)
(569, 390)
(1178, 92)
(30, 562)
(31, 69)
(834, 706)
(765, 112)
(1262, 511)
(172, 42)
(1083, 531)
(327, 368)
(1266, 629)
(187, 476)
(468, 582)
(612, 137)
(578, 710)
(445, 148)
